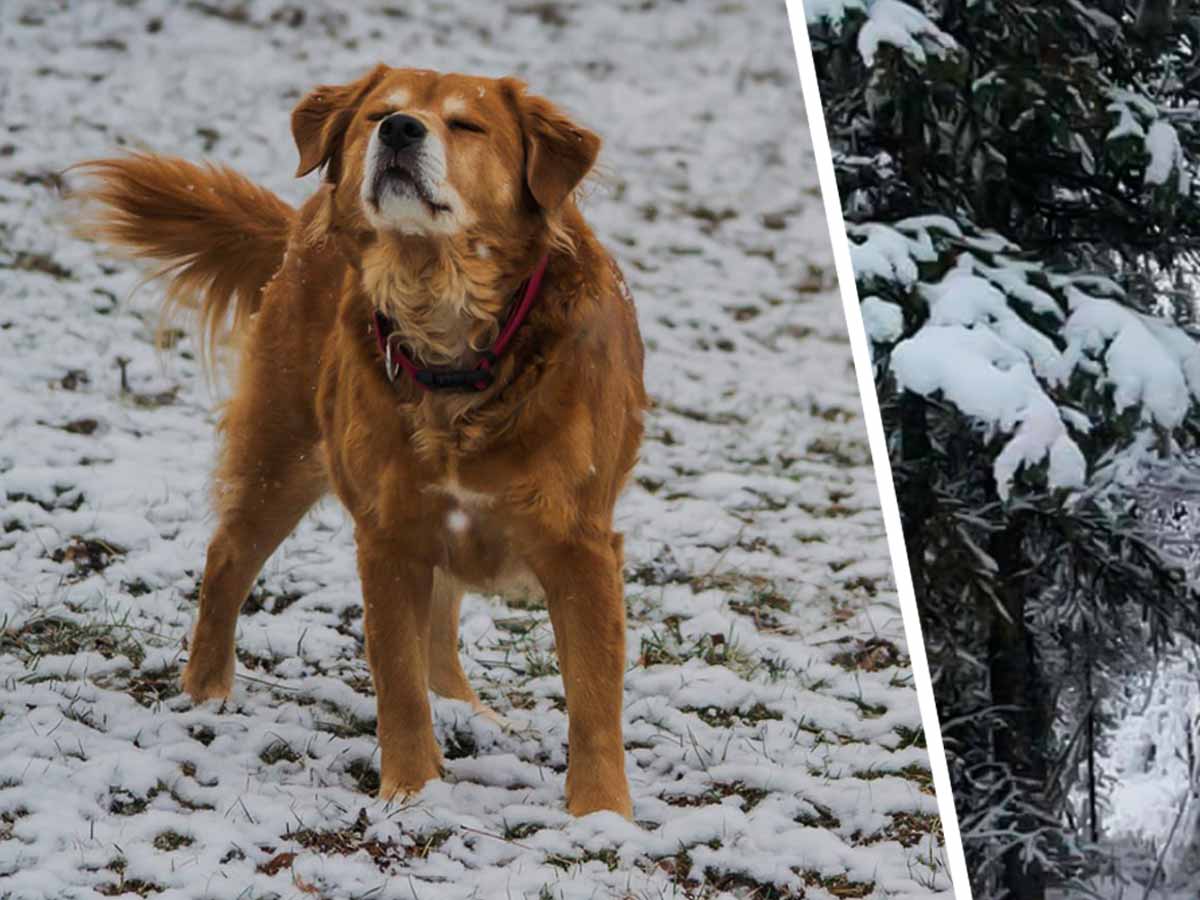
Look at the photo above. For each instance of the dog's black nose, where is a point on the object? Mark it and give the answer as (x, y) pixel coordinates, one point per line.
(401, 131)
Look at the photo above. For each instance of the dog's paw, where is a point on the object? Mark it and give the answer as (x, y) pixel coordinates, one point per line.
(584, 803)
(598, 799)
(591, 792)
(202, 685)
(507, 725)
(397, 793)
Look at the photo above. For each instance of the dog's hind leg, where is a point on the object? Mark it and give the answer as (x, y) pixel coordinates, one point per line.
(271, 472)
(446, 675)
(248, 533)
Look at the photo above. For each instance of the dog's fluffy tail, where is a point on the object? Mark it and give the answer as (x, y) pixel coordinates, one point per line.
(218, 237)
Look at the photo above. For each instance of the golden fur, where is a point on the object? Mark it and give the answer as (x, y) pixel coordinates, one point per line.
(513, 486)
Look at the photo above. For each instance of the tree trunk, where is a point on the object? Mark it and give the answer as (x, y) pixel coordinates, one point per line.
(915, 497)
(1019, 742)
(1093, 815)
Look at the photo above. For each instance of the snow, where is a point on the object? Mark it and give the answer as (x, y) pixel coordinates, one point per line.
(884, 321)
(885, 253)
(832, 11)
(977, 349)
(757, 564)
(900, 25)
(1144, 360)
(991, 380)
(1127, 125)
(1166, 154)
(889, 22)
(1141, 121)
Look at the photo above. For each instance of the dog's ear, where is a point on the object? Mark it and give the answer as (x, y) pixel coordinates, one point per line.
(558, 153)
(320, 120)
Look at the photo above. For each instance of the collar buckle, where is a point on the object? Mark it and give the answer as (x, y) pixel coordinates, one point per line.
(391, 367)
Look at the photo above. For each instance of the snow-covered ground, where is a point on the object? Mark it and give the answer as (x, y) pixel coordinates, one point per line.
(774, 743)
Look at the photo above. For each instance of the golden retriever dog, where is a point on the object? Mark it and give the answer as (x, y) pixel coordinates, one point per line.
(437, 336)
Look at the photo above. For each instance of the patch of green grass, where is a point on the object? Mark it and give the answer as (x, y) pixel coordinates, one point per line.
(29, 261)
(427, 842)
(832, 511)
(910, 737)
(751, 796)
(202, 733)
(50, 635)
(870, 656)
(519, 832)
(821, 817)
(762, 615)
(525, 603)
(909, 829)
(77, 710)
(720, 717)
(138, 587)
(741, 885)
(839, 885)
(365, 775)
(840, 453)
(125, 803)
(263, 600)
(539, 663)
(922, 777)
(521, 700)
(351, 839)
(868, 710)
(279, 750)
(679, 868)
(518, 625)
(172, 840)
(608, 856)
(344, 723)
(665, 645)
(660, 645)
(459, 744)
(150, 689)
(87, 556)
(8, 821)
(130, 886)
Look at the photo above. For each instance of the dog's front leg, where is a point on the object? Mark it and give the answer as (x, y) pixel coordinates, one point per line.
(584, 592)
(396, 605)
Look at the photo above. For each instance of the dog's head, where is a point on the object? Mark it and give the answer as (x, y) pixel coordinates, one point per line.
(414, 152)
(443, 190)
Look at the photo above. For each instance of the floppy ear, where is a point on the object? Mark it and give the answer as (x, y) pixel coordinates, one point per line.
(558, 153)
(320, 120)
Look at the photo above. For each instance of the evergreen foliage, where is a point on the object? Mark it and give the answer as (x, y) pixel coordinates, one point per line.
(1017, 179)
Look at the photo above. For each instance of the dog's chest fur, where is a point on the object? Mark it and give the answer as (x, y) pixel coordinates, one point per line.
(455, 511)
(480, 548)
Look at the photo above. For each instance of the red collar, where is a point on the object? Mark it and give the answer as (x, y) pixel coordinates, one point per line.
(479, 378)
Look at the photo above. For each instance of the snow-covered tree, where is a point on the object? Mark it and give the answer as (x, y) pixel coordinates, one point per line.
(1017, 182)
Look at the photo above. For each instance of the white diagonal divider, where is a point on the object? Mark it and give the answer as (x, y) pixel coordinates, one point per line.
(876, 438)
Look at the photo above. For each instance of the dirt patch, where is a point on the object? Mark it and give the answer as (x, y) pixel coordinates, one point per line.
(87, 556)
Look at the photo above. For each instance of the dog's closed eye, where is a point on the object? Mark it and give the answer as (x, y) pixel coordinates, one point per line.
(466, 125)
